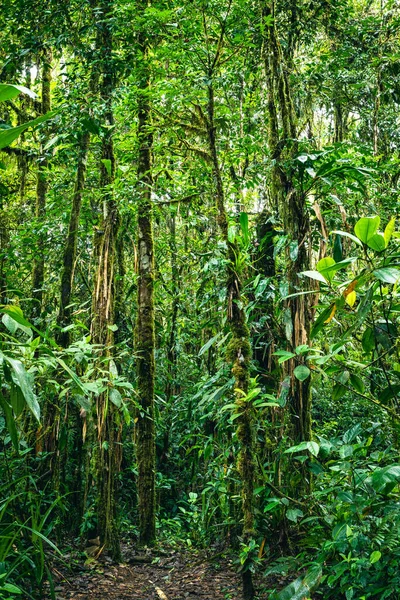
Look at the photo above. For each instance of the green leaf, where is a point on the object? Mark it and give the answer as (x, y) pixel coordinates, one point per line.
(115, 397)
(314, 275)
(17, 399)
(377, 242)
(9, 91)
(323, 264)
(22, 379)
(107, 164)
(73, 375)
(7, 136)
(244, 226)
(10, 588)
(387, 274)
(312, 447)
(337, 249)
(389, 229)
(12, 324)
(346, 451)
(352, 433)
(208, 344)
(383, 477)
(302, 372)
(366, 228)
(10, 422)
(375, 556)
(8, 322)
(357, 383)
(368, 340)
(283, 355)
(301, 588)
(338, 391)
(348, 235)
(294, 514)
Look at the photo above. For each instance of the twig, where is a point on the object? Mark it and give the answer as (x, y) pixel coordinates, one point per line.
(159, 591)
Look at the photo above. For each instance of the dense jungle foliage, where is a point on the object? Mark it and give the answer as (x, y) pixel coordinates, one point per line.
(199, 271)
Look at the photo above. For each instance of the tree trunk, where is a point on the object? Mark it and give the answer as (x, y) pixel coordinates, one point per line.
(145, 339)
(238, 352)
(294, 213)
(106, 463)
(41, 191)
(69, 257)
(4, 243)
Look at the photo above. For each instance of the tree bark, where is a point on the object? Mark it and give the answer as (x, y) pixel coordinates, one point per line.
(69, 256)
(106, 462)
(145, 338)
(294, 213)
(41, 191)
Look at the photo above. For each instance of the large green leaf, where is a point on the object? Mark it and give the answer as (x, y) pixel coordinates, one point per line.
(8, 91)
(314, 275)
(333, 267)
(366, 228)
(8, 136)
(348, 235)
(22, 379)
(387, 274)
(384, 479)
(301, 588)
(302, 372)
(312, 447)
(377, 242)
(16, 313)
(323, 265)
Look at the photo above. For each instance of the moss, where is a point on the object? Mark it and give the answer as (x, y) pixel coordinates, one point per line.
(238, 347)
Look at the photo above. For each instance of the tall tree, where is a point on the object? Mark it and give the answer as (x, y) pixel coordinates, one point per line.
(41, 191)
(144, 342)
(293, 209)
(105, 459)
(239, 349)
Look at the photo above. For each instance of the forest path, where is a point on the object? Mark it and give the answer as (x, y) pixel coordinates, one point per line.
(177, 576)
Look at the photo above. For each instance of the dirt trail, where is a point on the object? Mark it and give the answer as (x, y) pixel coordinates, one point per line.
(173, 577)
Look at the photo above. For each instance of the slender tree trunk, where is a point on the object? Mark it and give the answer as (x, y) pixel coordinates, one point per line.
(170, 387)
(41, 191)
(238, 352)
(103, 303)
(4, 242)
(69, 257)
(145, 338)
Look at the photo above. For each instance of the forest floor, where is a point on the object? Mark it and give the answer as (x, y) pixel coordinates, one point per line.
(171, 576)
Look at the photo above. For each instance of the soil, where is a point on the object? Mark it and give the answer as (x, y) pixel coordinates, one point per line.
(150, 576)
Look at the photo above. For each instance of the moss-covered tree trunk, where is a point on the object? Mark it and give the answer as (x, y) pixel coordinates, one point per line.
(41, 191)
(294, 213)
(238, 352)
(145, 426)
(105, 463)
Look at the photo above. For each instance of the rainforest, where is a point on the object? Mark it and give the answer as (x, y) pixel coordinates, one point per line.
(199, 305)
